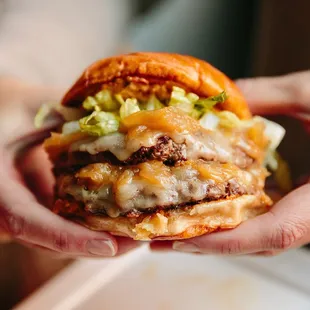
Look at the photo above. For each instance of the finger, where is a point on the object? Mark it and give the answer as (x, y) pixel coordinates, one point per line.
(268, 95)
(287, 225)
(28, 221)
(50, 253)
(293, 218)
(277, 95)
(249, 237)
(39, 181)
(22, 144)
(33, 93)
(124, 245)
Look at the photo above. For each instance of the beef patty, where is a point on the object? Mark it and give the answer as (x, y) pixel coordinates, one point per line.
(69, 206)
(152, 185)
(166, 151)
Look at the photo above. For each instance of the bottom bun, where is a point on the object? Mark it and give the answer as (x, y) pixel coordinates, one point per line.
(183, 224)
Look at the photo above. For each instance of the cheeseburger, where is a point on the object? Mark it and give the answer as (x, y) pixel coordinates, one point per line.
(159, 146)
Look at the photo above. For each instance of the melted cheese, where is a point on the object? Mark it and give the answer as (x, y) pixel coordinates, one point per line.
(223, 214)
(58, 143)
(121, 145)
(179, 223)
(142, 129)
(169, 119)
(118, 189)
(210, 146)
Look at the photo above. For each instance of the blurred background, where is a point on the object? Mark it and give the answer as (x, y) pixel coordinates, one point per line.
(51, 42)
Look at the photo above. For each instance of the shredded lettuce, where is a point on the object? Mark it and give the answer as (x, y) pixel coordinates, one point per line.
(275, 134)
(129, 107)
(209, 121)
(178, 95)
(181, 100)
(71, 127)
(197, 114)
(192, 97)
(99, 123)
(204, 105)
(273, 160)
(119, 99)
(221, 97)
(91, 104)
(108, 110)
(106, 101)
(229, 120)
(153, 104)
(53, 110)
(43, 114)
(103, 101)
(273, 131)
(189, 103)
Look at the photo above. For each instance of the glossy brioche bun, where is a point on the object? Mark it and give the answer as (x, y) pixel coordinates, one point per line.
(182, 224)
(190, 73)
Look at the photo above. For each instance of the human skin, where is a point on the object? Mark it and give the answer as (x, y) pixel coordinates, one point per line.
(287, 224)
(26, 188)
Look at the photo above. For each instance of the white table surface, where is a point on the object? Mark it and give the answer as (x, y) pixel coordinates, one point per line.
(143, 280)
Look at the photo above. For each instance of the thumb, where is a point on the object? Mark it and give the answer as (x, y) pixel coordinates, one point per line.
(287, 94)
(285, 226)
(27, 221)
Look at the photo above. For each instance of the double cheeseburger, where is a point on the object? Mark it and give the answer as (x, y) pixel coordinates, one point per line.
(158, 145)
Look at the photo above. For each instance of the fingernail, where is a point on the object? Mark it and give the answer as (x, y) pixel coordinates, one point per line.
(185, 247)
(101, 247)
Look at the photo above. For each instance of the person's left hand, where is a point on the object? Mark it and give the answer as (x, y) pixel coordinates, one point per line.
(26, 188)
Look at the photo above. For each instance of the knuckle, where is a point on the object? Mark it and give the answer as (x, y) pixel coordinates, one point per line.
(62, 242)
(287, 236)
(16, 226)
(230, 247)
(12, 224)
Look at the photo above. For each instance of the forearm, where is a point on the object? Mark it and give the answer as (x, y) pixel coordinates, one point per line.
(51, 41)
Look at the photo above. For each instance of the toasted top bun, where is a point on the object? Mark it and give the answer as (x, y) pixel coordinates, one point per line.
(190, 73)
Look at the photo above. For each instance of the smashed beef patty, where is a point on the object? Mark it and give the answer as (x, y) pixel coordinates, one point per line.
(230, 189)
(121, 190)
(165, 150)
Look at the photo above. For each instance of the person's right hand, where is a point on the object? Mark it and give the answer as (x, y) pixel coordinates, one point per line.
(287, 95)
(287, 224)
(24, 189)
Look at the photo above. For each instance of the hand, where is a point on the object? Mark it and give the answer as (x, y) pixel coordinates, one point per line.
(287, 224)
(26, 187)
(286, 95)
